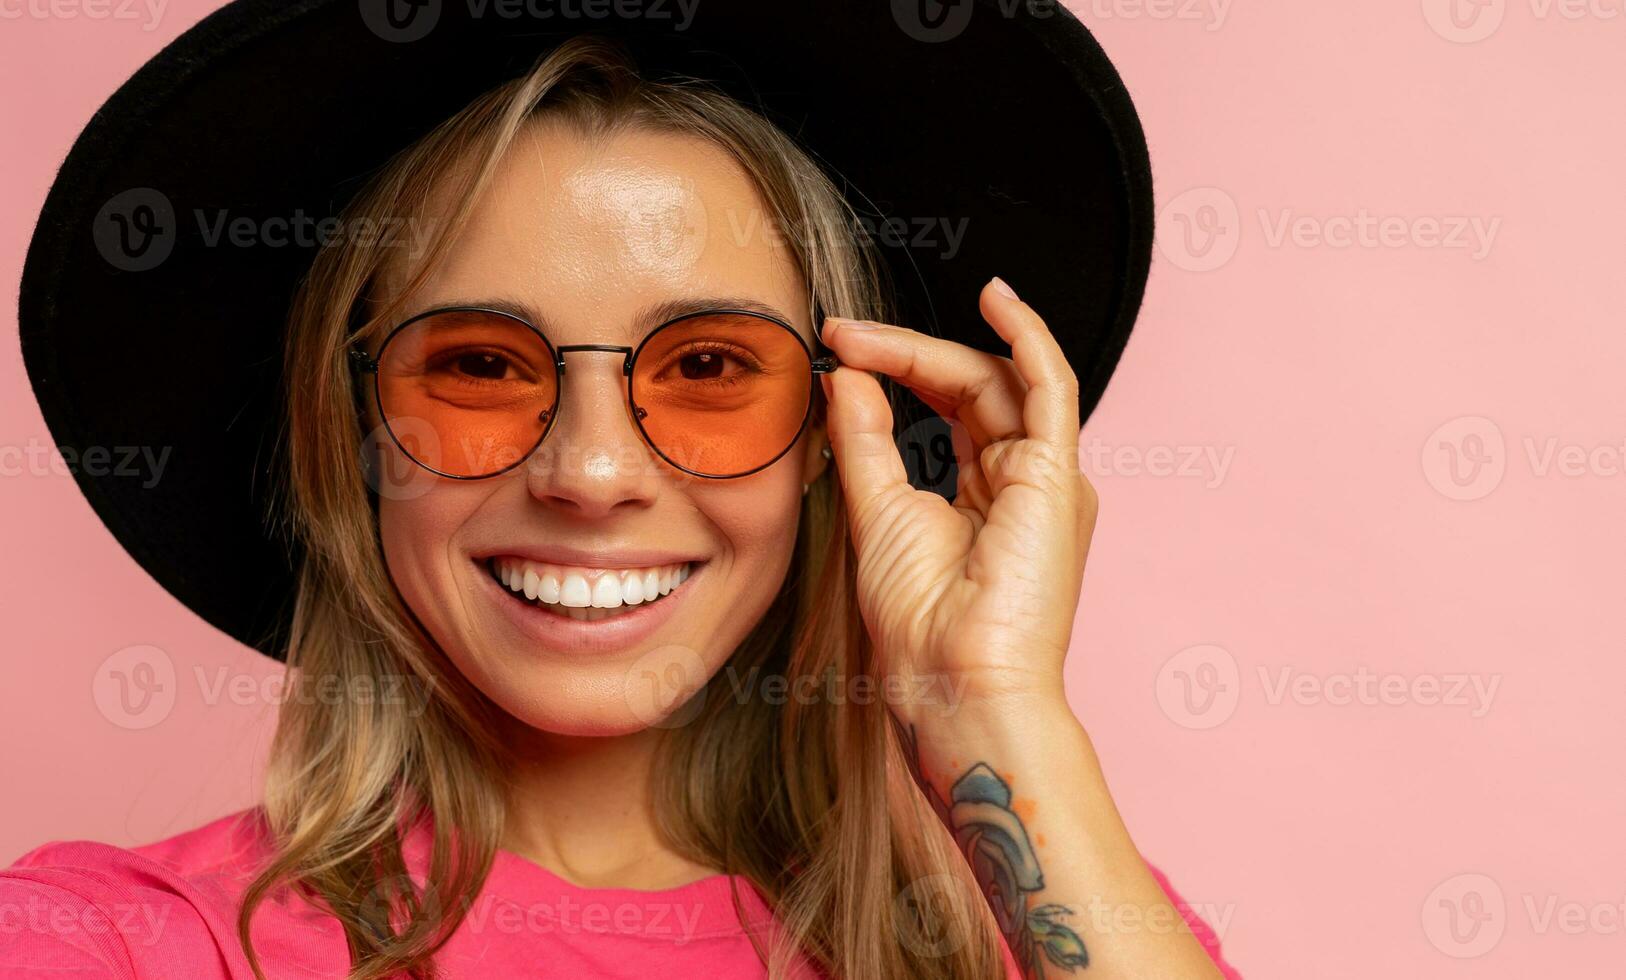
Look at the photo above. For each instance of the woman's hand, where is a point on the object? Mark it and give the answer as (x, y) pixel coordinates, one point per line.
(975, 598)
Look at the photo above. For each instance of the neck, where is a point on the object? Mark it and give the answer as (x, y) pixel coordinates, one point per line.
(581, 807)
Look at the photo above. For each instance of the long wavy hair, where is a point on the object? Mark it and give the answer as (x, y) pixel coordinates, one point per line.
(813, 803)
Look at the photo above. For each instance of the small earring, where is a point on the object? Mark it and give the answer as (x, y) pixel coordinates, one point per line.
(805, 488)
(827, 453)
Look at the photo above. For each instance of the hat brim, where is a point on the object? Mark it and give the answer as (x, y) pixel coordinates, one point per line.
(1006, 144)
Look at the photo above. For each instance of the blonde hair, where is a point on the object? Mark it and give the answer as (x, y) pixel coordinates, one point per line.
(812, 803)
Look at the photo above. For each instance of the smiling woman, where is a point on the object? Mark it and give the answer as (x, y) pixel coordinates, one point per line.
(612, 440)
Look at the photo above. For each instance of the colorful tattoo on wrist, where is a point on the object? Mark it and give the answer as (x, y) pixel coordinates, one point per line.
(995, 842)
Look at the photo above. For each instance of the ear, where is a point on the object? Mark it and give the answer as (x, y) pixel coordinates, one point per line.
(814, 461)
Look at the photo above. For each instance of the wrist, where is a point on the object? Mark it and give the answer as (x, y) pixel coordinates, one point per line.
(993, 716)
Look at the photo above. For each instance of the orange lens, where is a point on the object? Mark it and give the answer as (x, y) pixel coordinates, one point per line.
(722, 394)
(467, 393)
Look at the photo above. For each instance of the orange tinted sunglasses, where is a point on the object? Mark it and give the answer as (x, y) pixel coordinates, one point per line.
(469, 392)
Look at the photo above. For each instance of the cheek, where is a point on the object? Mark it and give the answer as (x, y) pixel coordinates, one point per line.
(416, 535)
(760, 525)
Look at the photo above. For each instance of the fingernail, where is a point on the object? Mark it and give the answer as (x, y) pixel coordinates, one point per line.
(847, 324)
(1004, 290)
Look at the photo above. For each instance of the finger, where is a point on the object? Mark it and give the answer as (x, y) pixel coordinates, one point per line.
(859, 424)
(1050, 410)
(981, 390)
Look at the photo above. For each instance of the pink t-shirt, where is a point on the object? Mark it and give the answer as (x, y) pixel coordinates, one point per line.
(83, 909)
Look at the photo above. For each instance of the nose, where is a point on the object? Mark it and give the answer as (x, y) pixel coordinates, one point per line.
(594, 461)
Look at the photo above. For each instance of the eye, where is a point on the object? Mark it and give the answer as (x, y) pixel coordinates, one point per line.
(477, 365)
(702, 365)
(483, 364)
(711, 361)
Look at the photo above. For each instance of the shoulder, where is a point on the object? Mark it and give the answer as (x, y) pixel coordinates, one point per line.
(204, 863)
(85, 908)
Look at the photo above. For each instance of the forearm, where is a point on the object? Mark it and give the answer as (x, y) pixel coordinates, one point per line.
(1018, 784)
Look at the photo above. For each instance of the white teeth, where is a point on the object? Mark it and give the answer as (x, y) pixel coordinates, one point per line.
(607, 591)
(573, 591)
(568, 590)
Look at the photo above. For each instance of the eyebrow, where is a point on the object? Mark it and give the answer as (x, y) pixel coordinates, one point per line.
(645, 320)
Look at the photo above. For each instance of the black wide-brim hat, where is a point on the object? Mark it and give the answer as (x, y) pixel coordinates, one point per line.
(974, 138)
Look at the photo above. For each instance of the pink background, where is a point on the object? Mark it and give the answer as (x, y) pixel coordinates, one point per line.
(1323, 835)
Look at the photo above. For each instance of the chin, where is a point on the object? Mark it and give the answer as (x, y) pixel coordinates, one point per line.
(661, 688)
(556, 671)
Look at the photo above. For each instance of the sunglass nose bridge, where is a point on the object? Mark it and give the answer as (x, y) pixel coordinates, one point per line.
(638, 411)
(622, 349)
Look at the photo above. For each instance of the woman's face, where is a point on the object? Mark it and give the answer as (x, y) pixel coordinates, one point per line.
(592, 237)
